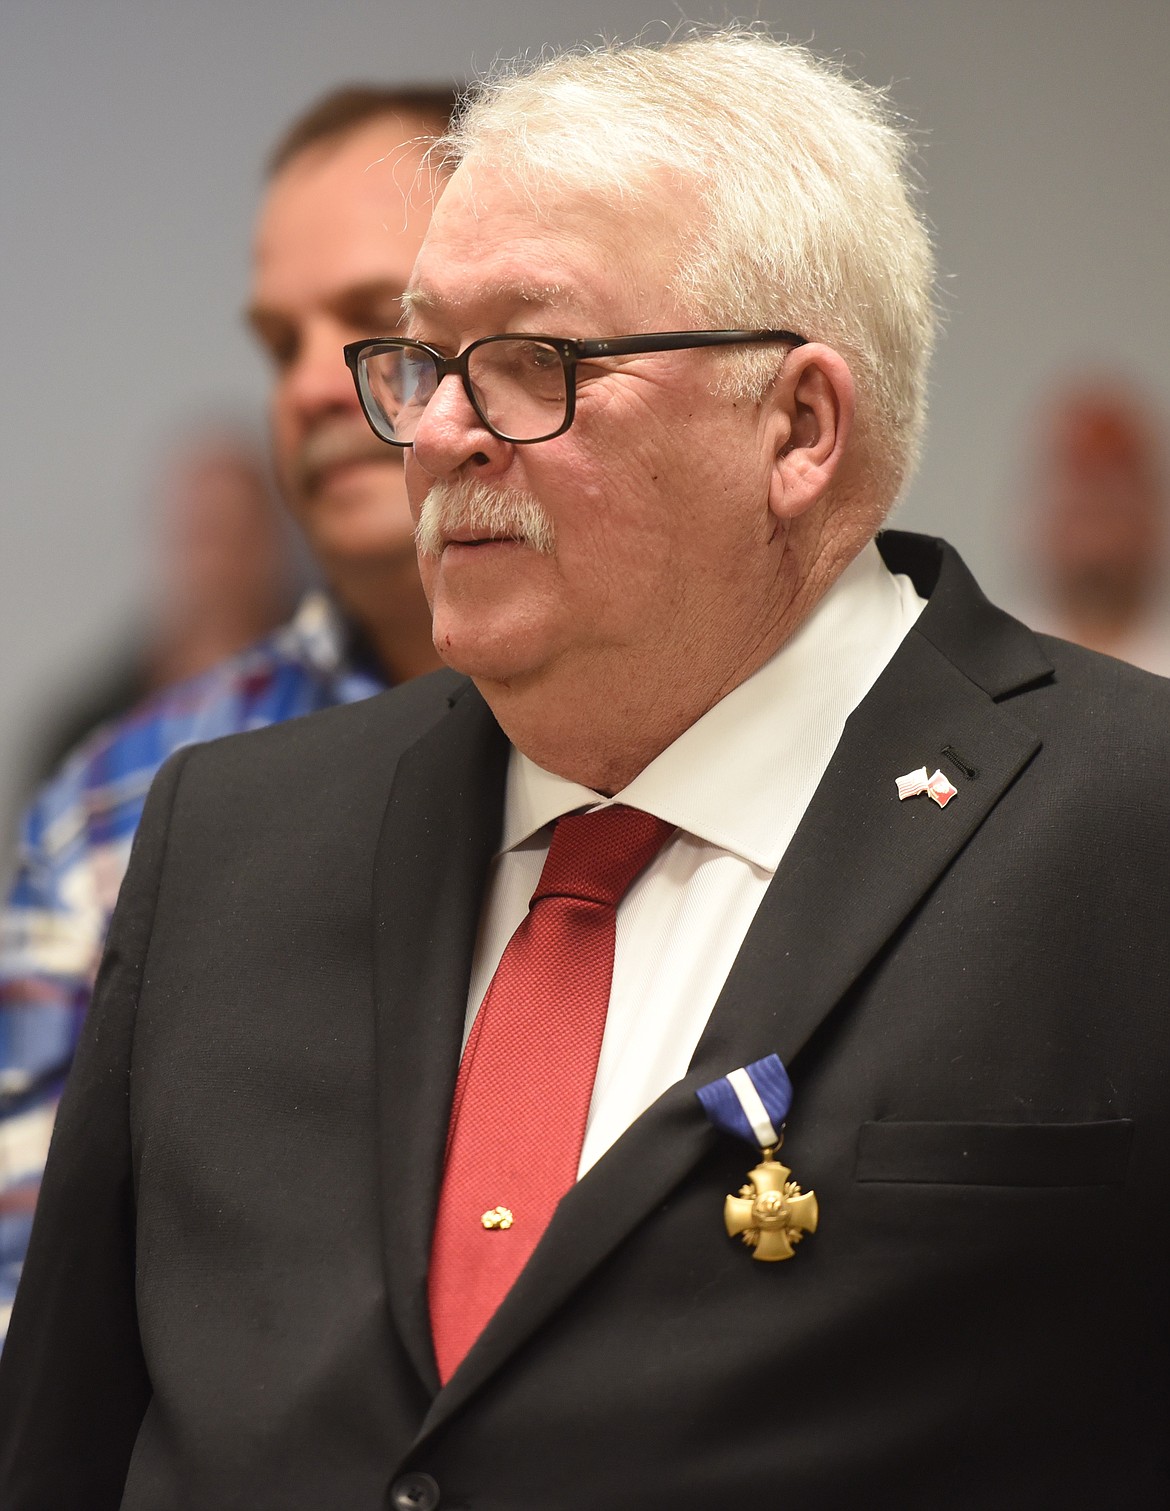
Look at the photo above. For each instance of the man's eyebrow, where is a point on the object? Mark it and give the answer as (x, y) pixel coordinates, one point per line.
(421, 301)
(354, 300)
(357, 298)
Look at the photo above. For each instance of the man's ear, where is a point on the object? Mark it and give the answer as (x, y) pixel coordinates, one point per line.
(813, 403)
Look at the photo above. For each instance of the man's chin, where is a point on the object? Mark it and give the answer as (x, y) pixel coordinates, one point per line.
(490, 655)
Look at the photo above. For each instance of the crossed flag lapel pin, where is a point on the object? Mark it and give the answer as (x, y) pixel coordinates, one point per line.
(937, 787)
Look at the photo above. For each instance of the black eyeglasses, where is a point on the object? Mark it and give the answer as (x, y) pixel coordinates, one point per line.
(523, 388)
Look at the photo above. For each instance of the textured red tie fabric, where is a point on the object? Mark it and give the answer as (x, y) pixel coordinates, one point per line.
(526, 1078)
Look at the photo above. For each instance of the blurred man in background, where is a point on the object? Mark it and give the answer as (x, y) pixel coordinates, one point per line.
(1099, 527)
(224, 575)
(340, 226)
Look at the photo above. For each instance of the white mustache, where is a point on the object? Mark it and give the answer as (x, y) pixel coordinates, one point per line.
(456, 509)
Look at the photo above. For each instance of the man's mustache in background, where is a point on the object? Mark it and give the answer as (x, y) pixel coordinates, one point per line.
(457, 508)
(342, 438)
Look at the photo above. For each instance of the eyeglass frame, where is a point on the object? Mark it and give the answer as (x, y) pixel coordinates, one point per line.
(570, 351)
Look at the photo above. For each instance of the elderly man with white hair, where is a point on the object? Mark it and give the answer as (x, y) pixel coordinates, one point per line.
(703, 1048)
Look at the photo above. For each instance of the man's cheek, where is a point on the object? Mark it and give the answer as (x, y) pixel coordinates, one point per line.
(418, 484)
(284, 441)
(427, 570)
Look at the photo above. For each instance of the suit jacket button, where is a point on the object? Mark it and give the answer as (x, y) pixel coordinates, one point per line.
(414, 1492)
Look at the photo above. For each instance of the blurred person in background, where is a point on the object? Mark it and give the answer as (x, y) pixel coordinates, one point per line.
(1099, 526)
(224, 576)
(338, 231)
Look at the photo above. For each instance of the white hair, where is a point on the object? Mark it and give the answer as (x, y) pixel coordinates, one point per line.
(808, 220)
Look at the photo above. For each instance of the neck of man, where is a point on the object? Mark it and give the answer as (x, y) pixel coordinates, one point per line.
(387, 600)
(602, 722)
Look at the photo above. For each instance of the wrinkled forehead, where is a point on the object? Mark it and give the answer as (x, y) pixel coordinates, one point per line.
(497, 240)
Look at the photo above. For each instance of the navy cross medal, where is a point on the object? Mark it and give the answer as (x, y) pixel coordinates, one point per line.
(771, 1213)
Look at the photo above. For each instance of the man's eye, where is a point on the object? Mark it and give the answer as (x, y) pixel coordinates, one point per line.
(282, 355)
(533, 354)
(278, 344)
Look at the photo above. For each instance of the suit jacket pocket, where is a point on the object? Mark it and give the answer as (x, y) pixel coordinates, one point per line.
(995, 1154)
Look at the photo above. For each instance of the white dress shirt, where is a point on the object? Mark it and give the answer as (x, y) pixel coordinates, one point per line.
(736, 783)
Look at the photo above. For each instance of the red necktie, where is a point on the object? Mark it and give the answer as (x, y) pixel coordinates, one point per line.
(526, 1078)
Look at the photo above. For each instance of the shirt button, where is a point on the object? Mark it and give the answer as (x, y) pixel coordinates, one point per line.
(414, 1492)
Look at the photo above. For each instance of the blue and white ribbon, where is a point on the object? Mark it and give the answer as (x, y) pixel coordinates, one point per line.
(752, 1102)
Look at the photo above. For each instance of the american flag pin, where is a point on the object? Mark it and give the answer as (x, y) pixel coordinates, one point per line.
(912, 783)
(936, 787)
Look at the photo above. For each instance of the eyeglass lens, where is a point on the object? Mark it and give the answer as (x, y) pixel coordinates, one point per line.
(519, 386)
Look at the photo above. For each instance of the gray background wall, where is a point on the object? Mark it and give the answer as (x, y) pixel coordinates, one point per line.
(131, 138)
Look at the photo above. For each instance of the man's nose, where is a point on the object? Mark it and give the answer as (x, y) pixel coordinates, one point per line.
(451, 436)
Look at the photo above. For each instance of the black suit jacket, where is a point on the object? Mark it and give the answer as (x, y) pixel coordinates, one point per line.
(224, 1307)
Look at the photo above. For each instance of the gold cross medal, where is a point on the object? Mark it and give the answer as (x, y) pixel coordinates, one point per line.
(771, 1214)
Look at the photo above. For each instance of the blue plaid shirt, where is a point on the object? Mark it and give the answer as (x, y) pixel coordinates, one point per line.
(75, 843)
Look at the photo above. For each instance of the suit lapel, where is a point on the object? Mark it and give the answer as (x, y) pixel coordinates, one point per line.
(440, 830)
(859, 864)
(862, 860)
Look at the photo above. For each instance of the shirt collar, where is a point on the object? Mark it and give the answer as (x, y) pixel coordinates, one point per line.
(742, 775)
(320, 637)
(316, 634)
